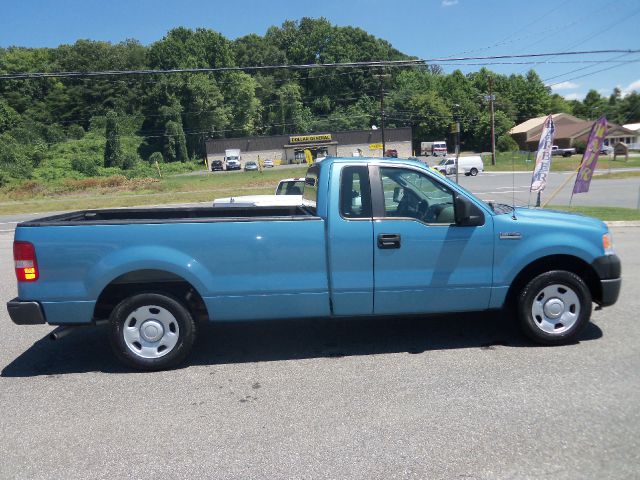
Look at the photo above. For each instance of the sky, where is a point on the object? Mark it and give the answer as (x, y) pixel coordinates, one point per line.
(423, 28)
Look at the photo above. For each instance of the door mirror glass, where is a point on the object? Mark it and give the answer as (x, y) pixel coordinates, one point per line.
(467, 213)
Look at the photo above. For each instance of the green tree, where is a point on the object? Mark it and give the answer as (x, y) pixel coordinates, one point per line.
(175, 148)
(506, 143)
(293, 116)
(14, 160)
(8, 116)
(113, 156)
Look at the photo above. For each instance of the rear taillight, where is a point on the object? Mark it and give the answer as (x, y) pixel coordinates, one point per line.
(24, 257)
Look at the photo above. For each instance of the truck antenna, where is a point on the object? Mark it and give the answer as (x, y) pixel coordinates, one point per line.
(513, 187)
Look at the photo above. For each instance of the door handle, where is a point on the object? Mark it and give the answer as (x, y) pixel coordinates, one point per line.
(389, 240)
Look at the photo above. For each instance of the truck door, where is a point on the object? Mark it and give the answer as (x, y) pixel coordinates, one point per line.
(423, 261)
(350, 241)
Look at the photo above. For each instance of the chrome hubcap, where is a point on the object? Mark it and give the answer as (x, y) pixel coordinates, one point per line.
(151, 331)
(555, 309)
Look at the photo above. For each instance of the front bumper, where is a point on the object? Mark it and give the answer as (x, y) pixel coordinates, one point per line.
(609, 272)
(25, 313)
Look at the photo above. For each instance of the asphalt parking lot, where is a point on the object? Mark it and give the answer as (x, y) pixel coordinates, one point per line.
(457, 396)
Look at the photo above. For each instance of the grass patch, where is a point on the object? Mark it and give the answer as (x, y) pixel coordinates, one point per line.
(617, 175)
(603, 213)
(523, 162)
(119, 191)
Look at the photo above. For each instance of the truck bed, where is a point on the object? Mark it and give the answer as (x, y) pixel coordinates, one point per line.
(173, 215)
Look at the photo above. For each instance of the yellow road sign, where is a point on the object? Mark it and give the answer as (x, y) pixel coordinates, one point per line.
(375, 146)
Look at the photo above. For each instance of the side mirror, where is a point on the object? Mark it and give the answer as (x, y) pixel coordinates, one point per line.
(397, 194)
(467, 213)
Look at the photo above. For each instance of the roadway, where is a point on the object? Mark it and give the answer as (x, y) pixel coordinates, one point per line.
(503, 187)
(456, 396)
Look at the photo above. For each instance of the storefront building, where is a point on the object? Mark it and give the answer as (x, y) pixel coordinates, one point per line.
(288, 149)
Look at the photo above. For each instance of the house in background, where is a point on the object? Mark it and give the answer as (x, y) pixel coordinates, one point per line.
(569, 130)
(634, 143)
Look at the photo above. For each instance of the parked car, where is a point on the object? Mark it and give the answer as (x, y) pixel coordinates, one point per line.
(288, 192)
(375, 237)
(250, 167)
(606, 150)
(259, 201)
(391, 153)
(268, 163)
(469, 165)
(565, 152)
(216, 165)
(290, 186)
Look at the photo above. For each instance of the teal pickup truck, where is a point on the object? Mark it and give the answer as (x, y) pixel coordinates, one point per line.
(372, 237)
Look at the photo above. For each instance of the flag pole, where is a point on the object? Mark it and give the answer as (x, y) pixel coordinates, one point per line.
(553, 195)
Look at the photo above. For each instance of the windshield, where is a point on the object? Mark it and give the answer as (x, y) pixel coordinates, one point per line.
(443, 161)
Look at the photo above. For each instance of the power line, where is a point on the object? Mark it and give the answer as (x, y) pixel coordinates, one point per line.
(107, 73)
(372, 64)
(586, 74)
(612, 60)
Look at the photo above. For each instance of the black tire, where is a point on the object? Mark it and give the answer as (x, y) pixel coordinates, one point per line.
(473, 172)
(532, 292)
(185, 328)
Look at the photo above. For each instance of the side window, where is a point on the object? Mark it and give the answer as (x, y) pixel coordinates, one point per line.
(408, 193)
(355, 193)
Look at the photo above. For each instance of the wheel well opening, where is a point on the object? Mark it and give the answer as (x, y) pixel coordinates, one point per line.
(150, 281)
(556, 262)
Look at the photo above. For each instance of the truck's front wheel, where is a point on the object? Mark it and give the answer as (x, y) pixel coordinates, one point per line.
(554, 307)
(151, 331)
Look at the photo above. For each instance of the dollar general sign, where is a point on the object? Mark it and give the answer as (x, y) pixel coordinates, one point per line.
(310, 138)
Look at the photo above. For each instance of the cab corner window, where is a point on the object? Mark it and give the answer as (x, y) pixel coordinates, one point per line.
(355, 194)
(408, 193)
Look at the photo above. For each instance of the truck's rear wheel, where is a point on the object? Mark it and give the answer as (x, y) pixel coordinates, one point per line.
(151, 331)
(554, 307)
(473, 171)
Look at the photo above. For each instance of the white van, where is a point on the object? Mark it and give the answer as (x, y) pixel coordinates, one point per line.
(471, 165)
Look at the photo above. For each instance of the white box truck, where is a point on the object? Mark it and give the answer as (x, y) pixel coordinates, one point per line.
(232, 160)
(435, 149)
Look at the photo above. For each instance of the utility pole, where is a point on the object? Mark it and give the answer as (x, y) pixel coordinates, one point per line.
(493, 122)
(382, 76)
(455, 128)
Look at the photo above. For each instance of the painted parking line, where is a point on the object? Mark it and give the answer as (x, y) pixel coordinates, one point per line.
(501, 192)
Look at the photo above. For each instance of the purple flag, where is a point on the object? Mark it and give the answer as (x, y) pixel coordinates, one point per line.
(543, 157)
(590, 157)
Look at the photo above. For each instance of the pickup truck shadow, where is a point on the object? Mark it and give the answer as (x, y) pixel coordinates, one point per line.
(87, 350)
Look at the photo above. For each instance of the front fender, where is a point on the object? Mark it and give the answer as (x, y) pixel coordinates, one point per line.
(512, 256)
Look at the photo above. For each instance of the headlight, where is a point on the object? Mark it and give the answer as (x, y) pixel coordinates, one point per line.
(607, 244)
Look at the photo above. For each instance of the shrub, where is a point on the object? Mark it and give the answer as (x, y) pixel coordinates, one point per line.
(129, 161)
(580, 146)
(85, 166)
(75, 132)
(506, 144)
(156, 157)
